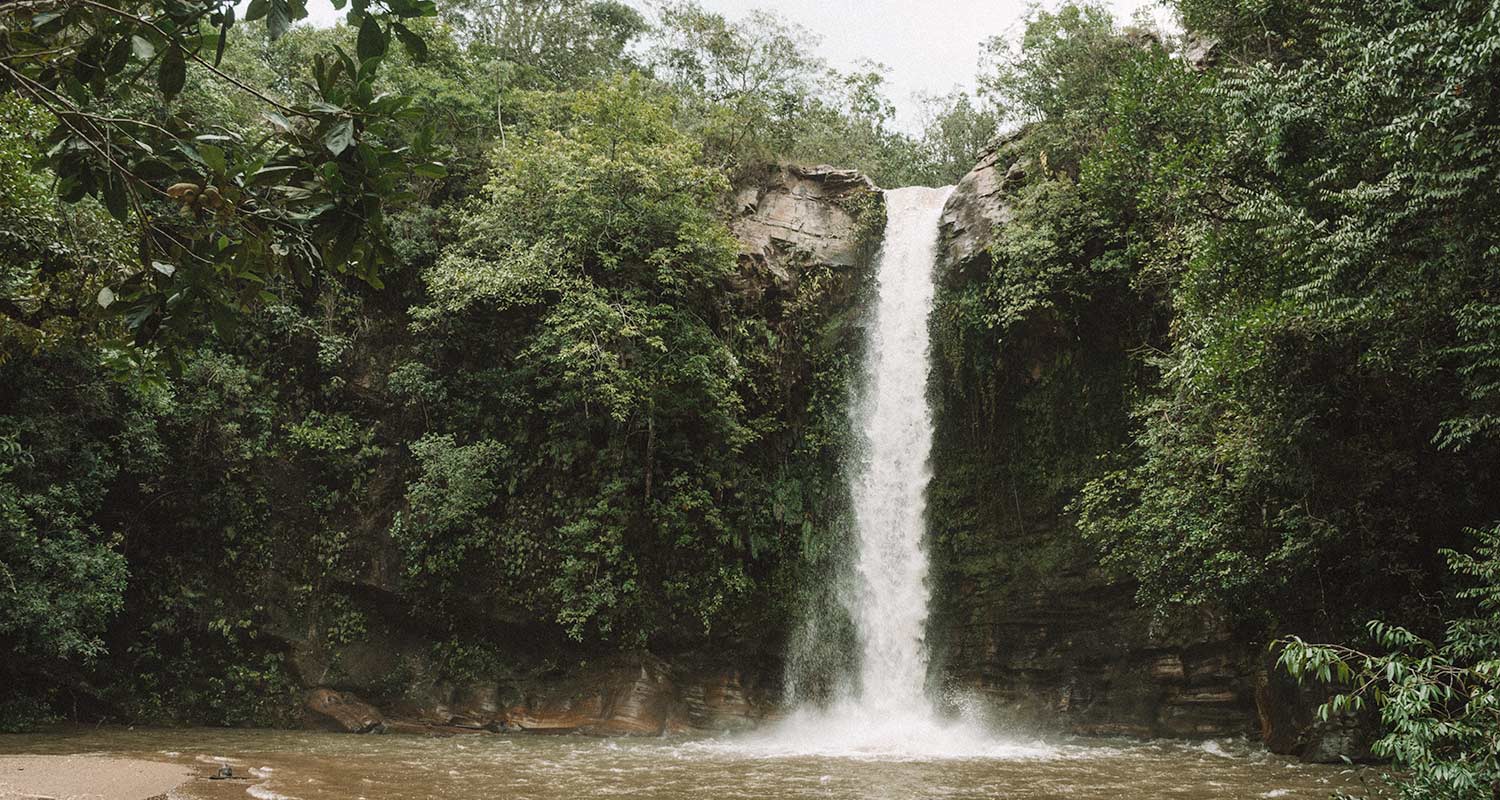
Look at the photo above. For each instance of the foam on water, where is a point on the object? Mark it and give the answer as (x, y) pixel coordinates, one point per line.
(260, 791)
(852, 731)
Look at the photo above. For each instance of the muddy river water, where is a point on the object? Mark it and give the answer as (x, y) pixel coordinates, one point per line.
(318, 766)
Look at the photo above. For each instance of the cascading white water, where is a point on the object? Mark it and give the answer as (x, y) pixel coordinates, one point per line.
(886, 712)
(889, 600)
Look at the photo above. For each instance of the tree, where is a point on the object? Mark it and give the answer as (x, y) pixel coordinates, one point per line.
(218, 215)
(743, 84)
(955, 132)
(547, 44)
(1440, 703)
(1061, 70)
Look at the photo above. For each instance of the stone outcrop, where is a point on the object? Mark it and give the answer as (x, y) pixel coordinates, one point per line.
(642, 695)
(629, 694)
(1200, 51)
(787, 213)
(977, 205)
(341, 712)
(1073, 652)
(1290, 724)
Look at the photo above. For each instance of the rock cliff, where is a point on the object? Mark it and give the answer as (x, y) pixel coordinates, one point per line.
(1024, 619)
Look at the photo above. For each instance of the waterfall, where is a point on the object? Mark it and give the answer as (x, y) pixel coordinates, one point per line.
(884, 711)
(888, 601)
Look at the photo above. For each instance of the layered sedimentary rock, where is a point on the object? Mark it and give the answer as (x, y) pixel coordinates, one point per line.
(626, 694)
(786, 213)
(641, 695)
(342, 712)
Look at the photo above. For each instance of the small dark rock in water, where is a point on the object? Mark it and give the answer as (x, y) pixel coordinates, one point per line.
(225, 773)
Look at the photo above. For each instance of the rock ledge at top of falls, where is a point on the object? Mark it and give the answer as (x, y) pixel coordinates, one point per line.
(784, 212)
(978, 204)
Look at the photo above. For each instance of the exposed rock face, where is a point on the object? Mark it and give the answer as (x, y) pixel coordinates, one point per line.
(641, 695)
(630, 694)
(1074, 652)
(790, 212)
(342, 712)
(978, 204)
(1289, 723)
(1200, 51)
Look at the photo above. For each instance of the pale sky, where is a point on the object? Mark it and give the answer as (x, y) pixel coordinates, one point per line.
(930, 46)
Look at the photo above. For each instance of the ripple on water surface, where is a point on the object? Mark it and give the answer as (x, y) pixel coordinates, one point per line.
(770, 764)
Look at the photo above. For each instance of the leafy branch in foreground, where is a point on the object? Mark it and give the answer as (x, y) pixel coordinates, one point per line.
(220, 213)
(1440, 704)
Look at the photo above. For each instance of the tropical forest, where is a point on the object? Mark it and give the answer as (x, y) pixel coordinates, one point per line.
(386, 383)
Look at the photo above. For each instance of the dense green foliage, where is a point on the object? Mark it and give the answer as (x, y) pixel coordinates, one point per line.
(556, 409)
(1293, 259)
(1439, 702)
(584, 334)
(1237, 343)
(1238, 338)
(217, 210)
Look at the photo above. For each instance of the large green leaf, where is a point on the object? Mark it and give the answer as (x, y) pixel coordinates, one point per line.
(339, 137)
(415, 45)
(172, 74)
(372, 39)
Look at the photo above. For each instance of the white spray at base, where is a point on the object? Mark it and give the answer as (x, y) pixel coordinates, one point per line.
(887, 713)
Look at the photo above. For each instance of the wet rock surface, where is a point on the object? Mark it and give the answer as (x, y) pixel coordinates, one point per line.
(638, 694)
(1074, 653)
(1290, 724)
(630, 694)
(342, 712)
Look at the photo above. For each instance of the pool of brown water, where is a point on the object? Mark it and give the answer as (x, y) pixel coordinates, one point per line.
(318, 766)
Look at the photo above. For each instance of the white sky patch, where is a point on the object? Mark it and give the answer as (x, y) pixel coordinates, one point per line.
(930, 46)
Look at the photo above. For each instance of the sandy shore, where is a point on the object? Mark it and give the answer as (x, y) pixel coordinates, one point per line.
(94, 777)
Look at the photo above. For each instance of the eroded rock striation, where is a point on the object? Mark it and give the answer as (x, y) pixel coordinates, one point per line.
(786, 216)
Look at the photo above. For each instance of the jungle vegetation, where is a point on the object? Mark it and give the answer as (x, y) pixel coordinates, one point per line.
(443, 298)
(1240, 337)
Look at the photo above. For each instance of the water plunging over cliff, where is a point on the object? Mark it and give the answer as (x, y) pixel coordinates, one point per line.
(889, 599)
(885, 710)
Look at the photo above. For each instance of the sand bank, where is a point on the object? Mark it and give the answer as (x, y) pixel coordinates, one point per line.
(92, 777)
